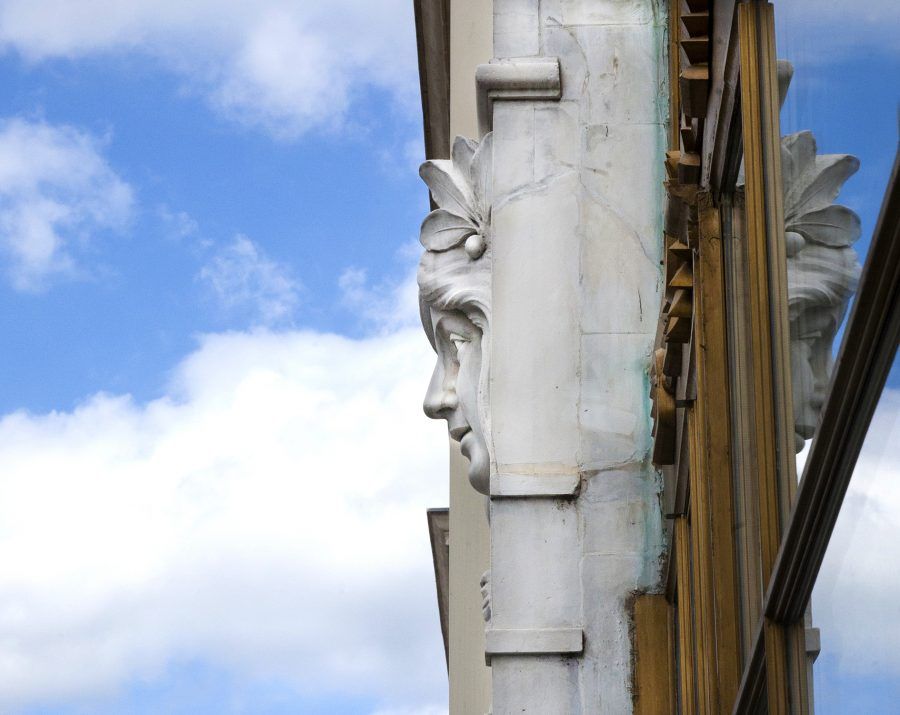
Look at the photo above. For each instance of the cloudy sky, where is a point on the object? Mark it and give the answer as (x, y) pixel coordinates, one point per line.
(213, 462)
(215, 466)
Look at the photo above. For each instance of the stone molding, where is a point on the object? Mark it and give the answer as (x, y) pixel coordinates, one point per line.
(533, 641)
(529, 78)
(535, 485)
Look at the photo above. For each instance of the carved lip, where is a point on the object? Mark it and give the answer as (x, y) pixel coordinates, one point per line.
(465, 443)
(458, 433)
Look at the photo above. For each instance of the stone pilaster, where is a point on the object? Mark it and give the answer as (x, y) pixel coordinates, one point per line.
(575, 519)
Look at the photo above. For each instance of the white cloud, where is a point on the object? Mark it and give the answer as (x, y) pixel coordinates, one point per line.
(266, 516)
(855, 601)
(56, 193)
(385, 306)
(243, 279)
(413, 711)
(284, 65)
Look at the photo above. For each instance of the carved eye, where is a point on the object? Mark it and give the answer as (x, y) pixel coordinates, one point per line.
(457, 340)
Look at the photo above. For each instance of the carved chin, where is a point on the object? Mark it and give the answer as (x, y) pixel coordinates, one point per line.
(474, 449)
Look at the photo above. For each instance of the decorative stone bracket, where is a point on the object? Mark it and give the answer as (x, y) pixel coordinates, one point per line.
(529, 78)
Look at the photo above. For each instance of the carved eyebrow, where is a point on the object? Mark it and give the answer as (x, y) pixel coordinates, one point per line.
(458, 324)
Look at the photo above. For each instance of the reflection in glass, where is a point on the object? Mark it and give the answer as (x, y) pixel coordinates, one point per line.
(822, 268)
(838, 120)
(855, 603)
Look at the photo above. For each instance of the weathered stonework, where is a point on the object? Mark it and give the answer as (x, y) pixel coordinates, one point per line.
(575, 518)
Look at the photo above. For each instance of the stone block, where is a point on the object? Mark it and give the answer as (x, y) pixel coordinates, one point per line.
(615, 527)
(542, 685)
(516, 28)
(615, 71)
(622, 171)
(608, 12)
(621, 279)
(513, 149)
(535, 557)
(614, 410)
(534, 379)
(556, 143)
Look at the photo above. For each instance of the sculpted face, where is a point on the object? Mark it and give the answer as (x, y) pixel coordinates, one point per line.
(454, 393)
(454, 296)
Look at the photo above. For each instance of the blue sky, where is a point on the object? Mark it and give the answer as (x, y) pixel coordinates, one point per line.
(315, 205)
(214, 463)
(213, 364)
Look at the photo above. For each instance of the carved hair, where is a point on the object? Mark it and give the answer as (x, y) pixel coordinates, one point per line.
(455, 269)
(822, 265)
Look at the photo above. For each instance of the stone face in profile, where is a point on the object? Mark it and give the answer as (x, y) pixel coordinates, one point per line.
(454, 297)
(822, 268)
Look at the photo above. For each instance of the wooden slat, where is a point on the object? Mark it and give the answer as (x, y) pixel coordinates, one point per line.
(683, 277)
(768, 308)
(701, 571)
(714, 441)
(678, 330)
(694, 90)
(689, 168)
(672, 158)
(682, 304)
(696, 49)
(696, 24)
(672, 363)
(721, 126)
(691, 134)
(674, 72)
(653, 681)
(686, 667)
(743, 423)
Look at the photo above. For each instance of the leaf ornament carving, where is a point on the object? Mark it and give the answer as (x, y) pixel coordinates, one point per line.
(461, 188)
(822, 266)
(811, 184)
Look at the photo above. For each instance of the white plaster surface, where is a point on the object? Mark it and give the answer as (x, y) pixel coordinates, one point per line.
(575, 290)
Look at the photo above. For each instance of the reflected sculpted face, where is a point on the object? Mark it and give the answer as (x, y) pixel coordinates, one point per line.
(822, 269)
(455, 391)
(811, 365)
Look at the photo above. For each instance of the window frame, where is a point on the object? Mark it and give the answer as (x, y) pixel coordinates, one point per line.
(746, 542)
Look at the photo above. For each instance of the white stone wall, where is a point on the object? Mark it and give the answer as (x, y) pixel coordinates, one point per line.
(576, 290)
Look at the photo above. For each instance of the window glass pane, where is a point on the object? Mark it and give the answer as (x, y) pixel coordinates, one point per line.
(855, 603)
(841, 81)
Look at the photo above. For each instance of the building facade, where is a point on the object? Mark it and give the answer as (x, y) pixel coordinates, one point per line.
(633, 284)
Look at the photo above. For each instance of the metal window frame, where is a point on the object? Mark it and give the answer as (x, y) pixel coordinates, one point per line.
(865, 359)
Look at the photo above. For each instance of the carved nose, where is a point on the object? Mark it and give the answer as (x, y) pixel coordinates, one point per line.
(440, 402)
